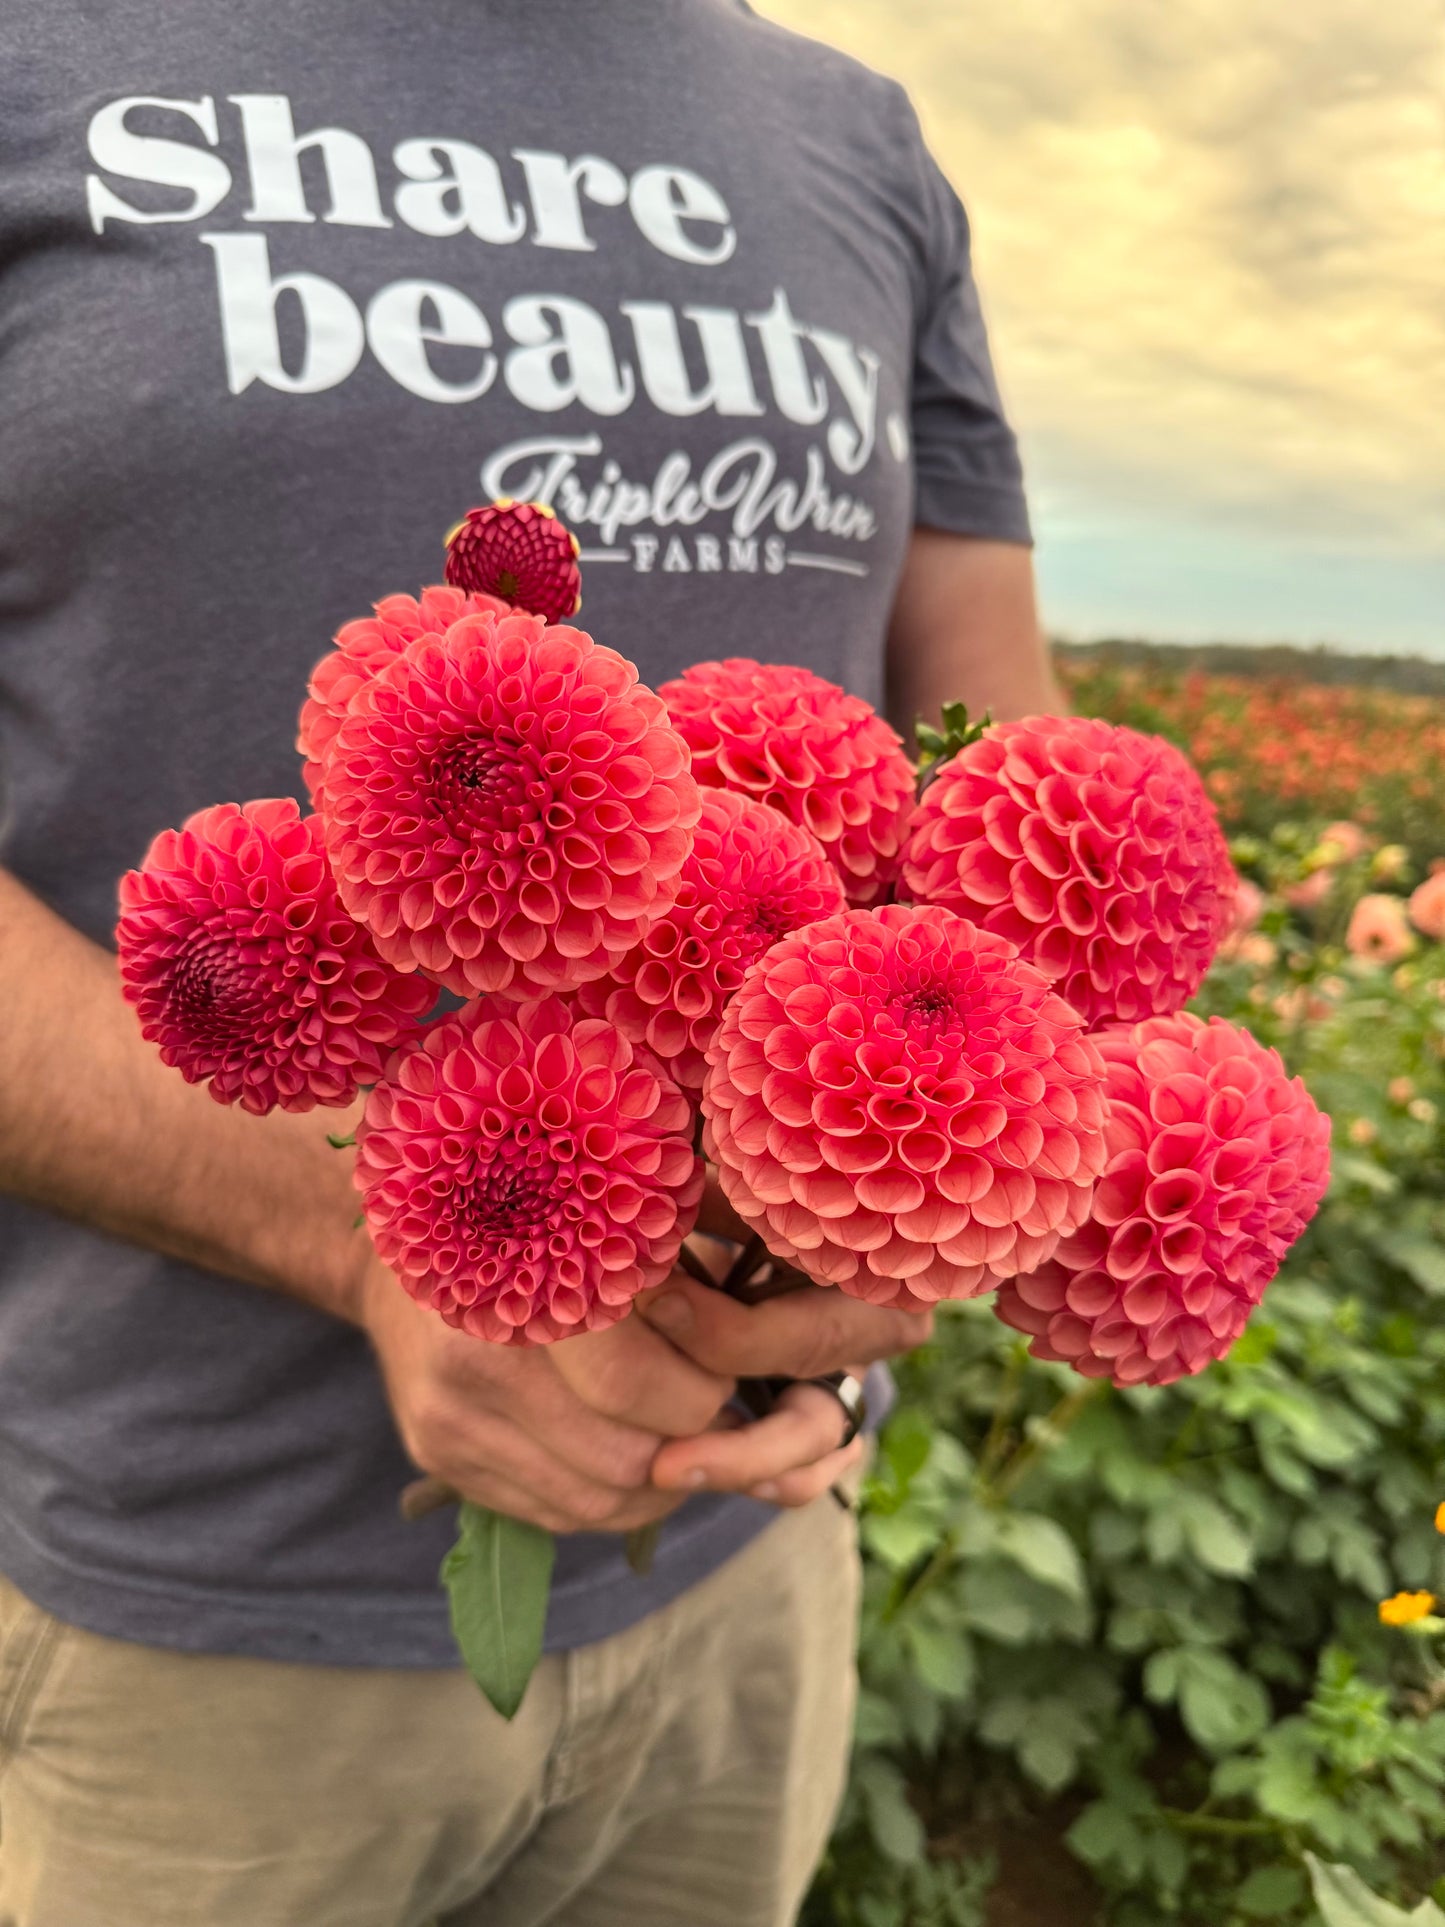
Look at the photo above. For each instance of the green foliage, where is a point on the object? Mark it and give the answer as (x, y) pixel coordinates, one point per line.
(1147, 1620)
(498, 1577)
(936, 746)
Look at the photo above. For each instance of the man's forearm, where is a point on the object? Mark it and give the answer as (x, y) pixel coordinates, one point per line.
(965, 627)
(93, 1126)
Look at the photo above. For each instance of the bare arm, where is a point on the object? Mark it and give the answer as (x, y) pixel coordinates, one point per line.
(965, 628)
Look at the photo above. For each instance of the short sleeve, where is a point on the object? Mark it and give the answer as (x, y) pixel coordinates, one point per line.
(968, 477)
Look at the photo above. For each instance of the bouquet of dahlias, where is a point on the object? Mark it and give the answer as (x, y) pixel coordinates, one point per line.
(924, 1022)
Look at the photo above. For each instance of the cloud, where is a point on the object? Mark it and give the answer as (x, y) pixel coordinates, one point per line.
(1211, 241)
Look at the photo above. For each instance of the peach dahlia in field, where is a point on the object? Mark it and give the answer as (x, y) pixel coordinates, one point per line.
(825, 759)
(506, 807)
(527, 1171)
(1217, 1161)
(751, 877)
(903, 1107)
(1091, 847)
(244, 968)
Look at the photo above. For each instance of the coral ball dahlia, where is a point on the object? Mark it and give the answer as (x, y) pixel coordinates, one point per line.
(506, 807)
(245, 969)
(903, 1107)
(526, 1171)
(751, 878)
(366, 645)
(1091, 847)
(521, 552)
(1217, 1160)
(826, 759)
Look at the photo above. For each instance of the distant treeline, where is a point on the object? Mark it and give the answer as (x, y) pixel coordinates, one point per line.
(1268, 662)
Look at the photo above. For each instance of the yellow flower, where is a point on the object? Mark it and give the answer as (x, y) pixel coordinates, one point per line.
(1440, 1517)
(1407, 1607)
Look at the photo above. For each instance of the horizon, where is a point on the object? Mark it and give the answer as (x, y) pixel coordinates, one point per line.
(1207, 241)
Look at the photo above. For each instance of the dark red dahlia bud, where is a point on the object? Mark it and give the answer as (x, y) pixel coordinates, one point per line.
(521, 552)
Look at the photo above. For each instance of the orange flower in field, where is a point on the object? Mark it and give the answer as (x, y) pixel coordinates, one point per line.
(1440, 1517)
(1378, 930)
(1406, 1608)
(1427, 907)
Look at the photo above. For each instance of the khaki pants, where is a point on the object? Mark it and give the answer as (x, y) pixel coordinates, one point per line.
(682, 1774)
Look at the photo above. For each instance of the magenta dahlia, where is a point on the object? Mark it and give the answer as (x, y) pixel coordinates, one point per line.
(506, 807)
(526, 1171)
(1091, 847)
(245, 969)
(904, 1108)
(520, 552)
(826, 759)
(751, 878)
(1217, 1160)
(366, 645)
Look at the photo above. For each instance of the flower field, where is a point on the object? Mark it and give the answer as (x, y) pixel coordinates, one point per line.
(1173, 1654)
(1277, 747)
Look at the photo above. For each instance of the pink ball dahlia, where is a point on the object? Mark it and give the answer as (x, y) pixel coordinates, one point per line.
(520, 552)
(245, 969)
(826, 759)
(506, 807)
(1091, 847)
(366, 645)
(1217, 1160)
(903, 1107)
(526, 1171)
(751, 878)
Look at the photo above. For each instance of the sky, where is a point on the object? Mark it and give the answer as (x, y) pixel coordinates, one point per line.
(1210, 237)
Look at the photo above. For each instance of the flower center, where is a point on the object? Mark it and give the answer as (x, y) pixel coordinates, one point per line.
(928, 1006)
(767, 921)
(478, 788)
(512, 1201)
(211, 989)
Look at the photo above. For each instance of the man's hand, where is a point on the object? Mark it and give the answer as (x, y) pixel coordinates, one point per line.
(792, 1455)
(562, 1435)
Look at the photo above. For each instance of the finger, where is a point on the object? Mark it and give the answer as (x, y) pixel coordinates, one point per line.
(537, 1402)
(623, 1511)
(801, 1334)
(811, 1481)
(481, 1450)
(631, 1373)
(807, 1424)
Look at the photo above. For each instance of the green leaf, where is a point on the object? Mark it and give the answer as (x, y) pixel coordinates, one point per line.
(1223, 1707)
(498, 1578)
(1418, 1256)
(1345, 1901)
(944, 1659)
(899, 1539)
(1043, 1548)
(1216, 1540)
(891, 1820)
(1270, 1892)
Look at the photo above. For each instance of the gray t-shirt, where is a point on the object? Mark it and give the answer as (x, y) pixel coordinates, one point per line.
(283, 290)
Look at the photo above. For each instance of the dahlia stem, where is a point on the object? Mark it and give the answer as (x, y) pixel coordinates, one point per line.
(694, 1267)
(424, 1496)
(641, 1544)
